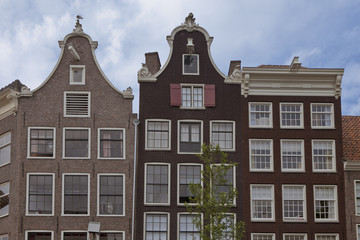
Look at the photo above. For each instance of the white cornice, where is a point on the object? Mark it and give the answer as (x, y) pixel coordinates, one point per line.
(8, 103)
(351, 165)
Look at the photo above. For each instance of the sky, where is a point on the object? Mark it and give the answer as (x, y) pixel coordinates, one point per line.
(323, 33)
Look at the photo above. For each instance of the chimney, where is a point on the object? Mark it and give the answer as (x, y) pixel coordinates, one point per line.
(152, 62)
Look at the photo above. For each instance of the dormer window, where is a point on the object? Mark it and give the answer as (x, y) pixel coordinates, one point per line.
(190, 64)
(77, 74)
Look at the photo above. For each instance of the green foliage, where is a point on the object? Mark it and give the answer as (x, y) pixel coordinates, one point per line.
(214, 205)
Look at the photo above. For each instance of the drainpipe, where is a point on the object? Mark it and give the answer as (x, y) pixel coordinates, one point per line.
(136, 123)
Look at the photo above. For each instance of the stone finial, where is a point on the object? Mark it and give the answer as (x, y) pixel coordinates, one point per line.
(190, 22)
(78, 26)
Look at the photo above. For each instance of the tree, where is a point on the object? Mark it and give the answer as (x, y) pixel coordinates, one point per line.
(215, 198)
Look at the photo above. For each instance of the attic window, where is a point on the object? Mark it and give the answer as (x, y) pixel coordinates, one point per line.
(77, 75)
(77, 104)
(190, 64)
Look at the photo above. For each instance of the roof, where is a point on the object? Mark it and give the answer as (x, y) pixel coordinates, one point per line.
(351, 137)
(15, 85)
(276, 66)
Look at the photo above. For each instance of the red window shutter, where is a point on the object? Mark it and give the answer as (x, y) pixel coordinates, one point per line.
(209, 95)
(175, 95)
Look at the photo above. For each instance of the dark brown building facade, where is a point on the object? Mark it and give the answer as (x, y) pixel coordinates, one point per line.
(66, 157)
(280, 123)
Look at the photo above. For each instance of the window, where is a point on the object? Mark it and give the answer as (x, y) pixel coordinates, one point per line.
(111, 143)
(262, 236)
(158, 134)
(262, 202)
(223, 133)
(227, 222)
(323, 155)
(190, 64)
(76, 104)
(5, 148)
(322, 115)
(40, 192)
(357, 232)
(112, 235)
(294, 208)
(220, 188)
(38, 235)
(156, 226)
(326, 236)
(4, 237)
(192, 96)
(157, 184)
(260, 115)
(111, 194)
(4, 199)
(41, 142)
(76, 143)
(325, 203)
(357, 197)
(292, 155)
(72, 235)
(291, 115)
(76, 194)
(77, 74)
(261, 155)
(295, 236)
(190, 134)
(187, 229)
(188, 173)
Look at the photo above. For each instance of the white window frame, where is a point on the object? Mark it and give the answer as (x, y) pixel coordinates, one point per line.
(357, 231)
(72, 68)
(295, 234)
(301, 115)
(186, 213)
(169, 183)
(267, 234)
(179, 135)
(63, 194)
(178, 179)
(78, 92)
(272, 203)
(109, 231)
(3, 183)
(302, 169)
(2, 236)
(39, 231)
(27, 193)
(74, 231)
(304, 204)
(6, 145)
(146, 135)
(192, 86)
(198, 64)
(89, 142)
(157, 213)
(270, 115)
(123, 142)
(29, 142)
(232, 149)
(332, 126)
(336, 207)
(333, 155)
(357, 213)
(98, 194)
(336, 235)
(234, 181)
(271, 169)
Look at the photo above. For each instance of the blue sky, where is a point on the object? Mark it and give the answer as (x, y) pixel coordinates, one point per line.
(323, 33)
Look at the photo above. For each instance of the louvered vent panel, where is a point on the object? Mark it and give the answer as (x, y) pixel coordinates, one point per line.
(77, 104)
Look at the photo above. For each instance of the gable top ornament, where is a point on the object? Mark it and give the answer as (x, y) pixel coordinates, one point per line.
(78, 26)
(189, 23)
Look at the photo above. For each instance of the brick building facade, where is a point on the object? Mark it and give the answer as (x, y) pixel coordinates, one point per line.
(66, 156)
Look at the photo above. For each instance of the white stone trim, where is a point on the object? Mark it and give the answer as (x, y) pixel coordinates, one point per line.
(98, 195)
(27, 193)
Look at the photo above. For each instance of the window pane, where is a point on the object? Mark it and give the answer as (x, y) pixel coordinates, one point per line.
(76, 194)
(323, 155)
(157, 184)
(325, 203)
(292, 155)
(260, 114)
(5, 148)
(111, 144)
(321, 115)
(187, 229)
(188, 174)
(40, 194)
(4, 198)
(291, 115)
(111, 195)
(77, 143)
(111, 236)
(190, 137)
(41, 142)
(39, 236)
(75, 236)
(260, 154)
(293, 202)
(157, 134)
(156, 226)
(222, 134)
(191, 64)
(262, 202)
